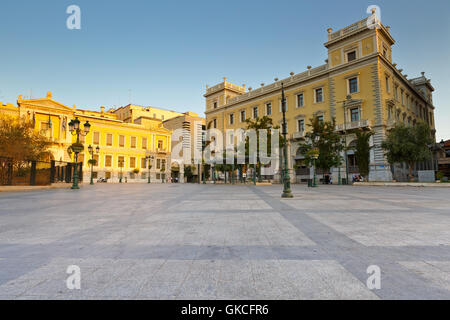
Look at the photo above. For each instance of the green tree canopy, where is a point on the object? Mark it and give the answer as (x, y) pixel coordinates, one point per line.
(408, 144)
(20, 142)
(257, 124)
(326, 140)
(362, 152)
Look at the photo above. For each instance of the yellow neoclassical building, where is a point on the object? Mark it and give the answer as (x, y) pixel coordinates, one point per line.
(359, 85)
(123, 143)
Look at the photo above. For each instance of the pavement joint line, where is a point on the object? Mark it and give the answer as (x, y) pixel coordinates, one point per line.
(336, 251)
(352, 257)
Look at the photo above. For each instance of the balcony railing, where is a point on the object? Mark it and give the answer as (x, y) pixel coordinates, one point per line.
(353, 125)
(298, 135)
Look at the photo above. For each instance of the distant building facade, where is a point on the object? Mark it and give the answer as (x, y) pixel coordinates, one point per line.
(444, 159)
(359, 86)
(189, 129)
(124, 142)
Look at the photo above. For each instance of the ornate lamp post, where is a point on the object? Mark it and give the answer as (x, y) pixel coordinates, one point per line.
(315, 156)
(91, 151)
(77, 147)
(121, 164)
(286, 179)
(214, 172)
(149, 166)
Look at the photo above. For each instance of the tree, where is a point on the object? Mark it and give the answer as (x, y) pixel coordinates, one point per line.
(260, 123)
(362, 152)
(20, 142)
(326, 140)
(408, 144)
(188, 172)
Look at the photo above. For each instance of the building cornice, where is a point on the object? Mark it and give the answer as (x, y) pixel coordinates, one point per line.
(290, 82)
(406, 81)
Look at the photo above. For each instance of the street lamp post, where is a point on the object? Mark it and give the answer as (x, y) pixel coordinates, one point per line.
(286, 179)
(204, 173)
(121, 164)
(75, 130)
(315, 156)
(91, 151)
(148, 159)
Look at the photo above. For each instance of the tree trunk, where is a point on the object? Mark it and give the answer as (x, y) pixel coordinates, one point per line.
(411, 179)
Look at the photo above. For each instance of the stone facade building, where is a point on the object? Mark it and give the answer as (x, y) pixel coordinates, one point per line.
(359, 86)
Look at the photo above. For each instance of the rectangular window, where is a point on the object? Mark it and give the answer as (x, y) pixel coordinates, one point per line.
(144, 143)
(300, 100)
(108, 175)
(231, 118)
(353, 85)
(44, 126)
(143, 163)
(158, 163)
(121, 141)
(402, 95)
(268, 109)
(132, 162)
(82, 138)
(255, 112)
(215, 123)
(215, 105)
(387, 85)
(109, 139)
(231, 137)
(121, 161)
(351, 56)
(160, 144)
(396, 92)
(108, 161)
(318, 94)
(133, 142)
(390, 113)
(354, 114)
(301, 125)
(242, 115)
(96, 138)
(320, 118)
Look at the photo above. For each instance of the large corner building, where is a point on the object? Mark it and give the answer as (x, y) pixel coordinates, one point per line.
(359, 86)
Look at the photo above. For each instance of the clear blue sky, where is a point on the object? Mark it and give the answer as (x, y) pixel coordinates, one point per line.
(165, 52)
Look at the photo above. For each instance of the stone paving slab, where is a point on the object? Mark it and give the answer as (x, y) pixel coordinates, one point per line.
(174, 241)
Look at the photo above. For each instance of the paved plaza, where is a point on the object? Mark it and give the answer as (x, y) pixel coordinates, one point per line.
(175, 241)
